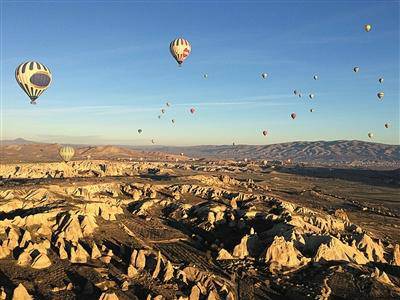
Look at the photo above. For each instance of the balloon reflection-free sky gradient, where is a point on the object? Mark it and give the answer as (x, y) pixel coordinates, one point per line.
(112, 71)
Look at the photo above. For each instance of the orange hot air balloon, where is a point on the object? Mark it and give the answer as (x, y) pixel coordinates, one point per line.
(293, 116)
(192, 110)
(180, 49)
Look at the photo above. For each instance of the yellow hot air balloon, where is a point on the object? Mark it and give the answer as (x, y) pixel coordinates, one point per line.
(367, 27)
(66, 153)
(180, 49)
(34, 78)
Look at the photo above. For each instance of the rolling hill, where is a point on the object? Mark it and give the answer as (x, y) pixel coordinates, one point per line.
(319, 151)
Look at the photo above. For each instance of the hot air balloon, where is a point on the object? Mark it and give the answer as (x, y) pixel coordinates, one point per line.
(299, 95)
(295, 92)
(180, 49)
(140, 131)
(205, 76)
(380, 95)
(152, 141)
(367, 27)
(265, 132)
(34, 78)
(293, 115)
(311, 96)
(192, 110)
(380, 80)
(356, 69)
(168, 104)
(387, 125)
(370, 135)
(162, 110)
(315, 77)
(173, 121)
(66, 153)
(312, 110)
(264, 75)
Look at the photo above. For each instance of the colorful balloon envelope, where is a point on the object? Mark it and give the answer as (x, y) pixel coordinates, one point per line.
(367, 27)
(380, 95)
(180, 50)
(66, 153)
(34, 78)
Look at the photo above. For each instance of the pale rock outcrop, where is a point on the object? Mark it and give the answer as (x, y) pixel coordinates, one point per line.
(95, 252)
(24, 259)
(41, 261)
(108, 296)
(132, 271)
(3, 294)
(107, 258)
(140, 260)
(224, 254)
(283, 254)
(374, 251)
(396, 255)
(381, 277)
(62, 253)
(88, 225)
(20, 293)
(26, 237)
(79, 255)
(168, 271)
(337, 250)
(194, 293)
(248, 246)
(4, 252)
(157, 267)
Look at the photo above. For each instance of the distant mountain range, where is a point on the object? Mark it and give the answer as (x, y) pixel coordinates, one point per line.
(319, 151)
(20, 150)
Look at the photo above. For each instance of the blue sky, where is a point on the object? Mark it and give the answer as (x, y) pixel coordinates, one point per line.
(112, 71)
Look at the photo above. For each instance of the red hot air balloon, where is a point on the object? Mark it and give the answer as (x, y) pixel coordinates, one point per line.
(265, 132)
(293, 115)
(192, 110)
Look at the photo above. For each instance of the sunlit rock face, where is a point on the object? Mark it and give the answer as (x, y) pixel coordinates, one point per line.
(174, 230)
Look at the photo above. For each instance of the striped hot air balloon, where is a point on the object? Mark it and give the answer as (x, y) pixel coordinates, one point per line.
(66, 153)
(34, 78)
(180, 49)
